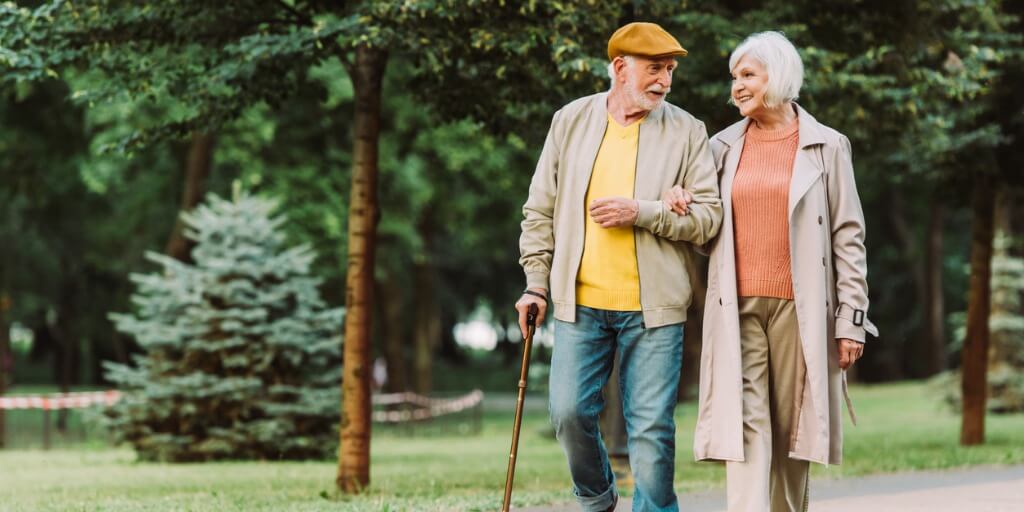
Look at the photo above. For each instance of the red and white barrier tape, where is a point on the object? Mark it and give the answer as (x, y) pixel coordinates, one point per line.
(426, 407)
(60, 400)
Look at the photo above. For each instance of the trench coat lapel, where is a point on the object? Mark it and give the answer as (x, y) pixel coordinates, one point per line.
(807, 165)
(733, 137)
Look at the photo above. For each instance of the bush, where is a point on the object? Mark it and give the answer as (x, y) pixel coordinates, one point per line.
(241, 357)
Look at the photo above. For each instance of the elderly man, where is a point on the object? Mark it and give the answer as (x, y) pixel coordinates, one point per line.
(597, 235)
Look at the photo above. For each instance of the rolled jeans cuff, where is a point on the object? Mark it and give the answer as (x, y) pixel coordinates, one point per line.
(599, 503)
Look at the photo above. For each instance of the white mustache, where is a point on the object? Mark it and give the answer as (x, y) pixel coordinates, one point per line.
(659, 89)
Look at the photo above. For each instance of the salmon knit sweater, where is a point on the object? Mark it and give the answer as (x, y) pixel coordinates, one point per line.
(760, 211)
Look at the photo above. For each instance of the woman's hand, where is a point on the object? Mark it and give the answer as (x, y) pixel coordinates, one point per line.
(677, 199)
(849, 352)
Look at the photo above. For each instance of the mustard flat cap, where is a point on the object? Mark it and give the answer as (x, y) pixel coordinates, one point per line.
(644, 40)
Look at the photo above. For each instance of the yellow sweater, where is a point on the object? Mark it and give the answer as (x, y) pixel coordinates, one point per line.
(608, 277)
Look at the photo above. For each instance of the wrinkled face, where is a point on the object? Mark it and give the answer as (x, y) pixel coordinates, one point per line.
(749, 83)
(648, 81)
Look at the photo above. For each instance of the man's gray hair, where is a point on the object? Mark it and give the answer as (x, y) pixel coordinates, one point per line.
(780, 60)
(611, 68)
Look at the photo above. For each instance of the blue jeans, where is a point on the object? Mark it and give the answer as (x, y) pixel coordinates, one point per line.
(650, 360)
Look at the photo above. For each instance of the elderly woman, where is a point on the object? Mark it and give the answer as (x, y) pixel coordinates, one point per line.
(787, 294)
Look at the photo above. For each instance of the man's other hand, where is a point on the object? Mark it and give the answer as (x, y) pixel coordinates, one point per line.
(614, 212)
(523, 306)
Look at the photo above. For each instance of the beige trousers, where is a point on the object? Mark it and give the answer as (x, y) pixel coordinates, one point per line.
(768, 480)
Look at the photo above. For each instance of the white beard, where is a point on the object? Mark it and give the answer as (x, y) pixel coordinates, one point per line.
(640, 98)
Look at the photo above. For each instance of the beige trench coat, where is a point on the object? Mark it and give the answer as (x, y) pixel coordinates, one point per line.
(829, 267)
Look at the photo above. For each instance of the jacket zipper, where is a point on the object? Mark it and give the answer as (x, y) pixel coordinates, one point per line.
(636, 248)
(583, 245)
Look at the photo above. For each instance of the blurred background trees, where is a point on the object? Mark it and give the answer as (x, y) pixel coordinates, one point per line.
(115, 116)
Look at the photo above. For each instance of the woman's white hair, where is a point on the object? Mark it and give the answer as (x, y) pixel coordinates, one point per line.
(780, 60)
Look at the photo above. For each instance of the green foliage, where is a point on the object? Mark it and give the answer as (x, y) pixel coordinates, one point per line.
(23, 44)
(926, 91)
(240, 353)
(499, 62)
(68, 245)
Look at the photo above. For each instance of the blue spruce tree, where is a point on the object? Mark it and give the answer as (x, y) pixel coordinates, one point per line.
(241, 359)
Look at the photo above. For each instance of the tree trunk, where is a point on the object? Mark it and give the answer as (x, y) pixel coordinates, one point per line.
(448, 348)
(1005, 308)
(70, 351)
(912, 356)
(975, 352)
(354, 451)
(197, 170)
(395, 333)
(427, 335)
(6, 362)
(935, 306)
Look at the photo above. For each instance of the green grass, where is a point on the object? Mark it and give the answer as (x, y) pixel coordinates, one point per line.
(903, 427)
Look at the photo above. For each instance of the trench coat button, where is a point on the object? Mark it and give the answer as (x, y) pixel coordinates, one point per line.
(819, 219)
(823, 262)
(719, 301)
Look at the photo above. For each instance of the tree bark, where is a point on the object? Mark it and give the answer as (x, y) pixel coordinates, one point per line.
(197, 170)
(935, 305)
(354, 451)
(427, 334)
(1005, 305)
(395, 333)
(70, 352)
(6, 362)
(975, 352)
(912, 356)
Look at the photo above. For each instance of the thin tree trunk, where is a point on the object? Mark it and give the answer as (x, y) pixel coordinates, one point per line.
(913, 362)
(120, 345)
(1005, 305)
(395, 333)
(935, 306)
(427, 335)
(197, 170)
(6, 362)
(975, 352)
(70, 353)
(354, 451)
(448, 349)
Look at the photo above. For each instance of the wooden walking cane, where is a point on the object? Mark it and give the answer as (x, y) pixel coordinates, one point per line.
(531, 320)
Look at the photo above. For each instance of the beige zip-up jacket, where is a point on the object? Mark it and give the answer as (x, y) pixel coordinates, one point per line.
(673, 150)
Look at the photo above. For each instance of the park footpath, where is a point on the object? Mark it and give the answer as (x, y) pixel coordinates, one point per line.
(987, 489)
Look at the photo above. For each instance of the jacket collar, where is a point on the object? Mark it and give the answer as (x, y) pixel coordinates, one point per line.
(810, 130)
